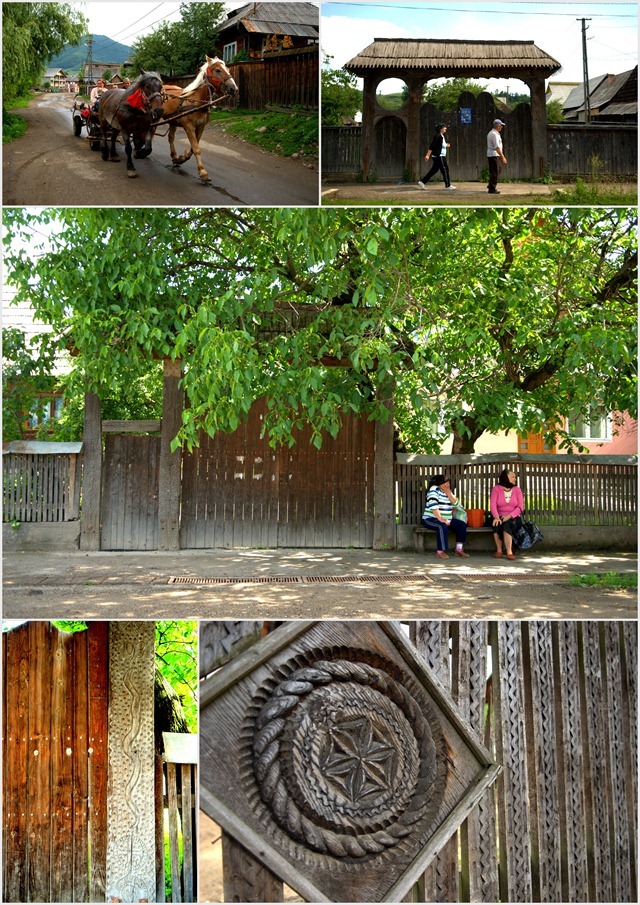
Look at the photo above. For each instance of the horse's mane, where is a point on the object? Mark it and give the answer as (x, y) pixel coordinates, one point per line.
(141, 79)
(199, 79)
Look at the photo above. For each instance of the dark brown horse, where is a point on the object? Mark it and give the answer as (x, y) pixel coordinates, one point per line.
(132, 112)
(192, 106)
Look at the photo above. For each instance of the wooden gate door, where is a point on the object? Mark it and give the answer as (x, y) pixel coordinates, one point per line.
(55, 700)
(130, 492)
(239, 492)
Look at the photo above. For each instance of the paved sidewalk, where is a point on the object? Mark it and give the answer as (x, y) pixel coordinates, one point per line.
(309, 584)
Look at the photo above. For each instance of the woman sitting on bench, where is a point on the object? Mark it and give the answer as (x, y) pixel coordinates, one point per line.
(439, 516)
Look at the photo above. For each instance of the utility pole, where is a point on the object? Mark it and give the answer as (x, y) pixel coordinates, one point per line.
(585, 71)
(89, 63)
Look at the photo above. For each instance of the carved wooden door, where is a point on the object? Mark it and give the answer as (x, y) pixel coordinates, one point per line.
(330, 752)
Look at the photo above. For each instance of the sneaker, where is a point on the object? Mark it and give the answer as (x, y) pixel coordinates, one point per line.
(494, 192)
(450, 186)
(422, 186)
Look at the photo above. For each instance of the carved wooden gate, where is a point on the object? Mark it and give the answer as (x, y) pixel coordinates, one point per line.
(555, 701)
(239, 492)
(55, 704)
(130, 492)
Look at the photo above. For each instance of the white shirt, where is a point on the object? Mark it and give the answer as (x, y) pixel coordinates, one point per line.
(494, 144)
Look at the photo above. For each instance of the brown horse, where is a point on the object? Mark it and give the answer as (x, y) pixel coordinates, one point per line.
(132, 112)
(192, 106)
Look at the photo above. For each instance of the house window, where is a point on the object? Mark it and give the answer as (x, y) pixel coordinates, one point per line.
(229, 51)
(45, 410)
(593, 425)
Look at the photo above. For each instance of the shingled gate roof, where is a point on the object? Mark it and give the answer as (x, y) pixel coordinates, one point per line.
(447, 58)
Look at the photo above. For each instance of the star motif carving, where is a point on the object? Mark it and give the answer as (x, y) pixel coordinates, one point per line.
(359, 760)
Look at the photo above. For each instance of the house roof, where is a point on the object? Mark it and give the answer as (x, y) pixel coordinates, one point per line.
(602, 91)
(453, 57)
(295, 19)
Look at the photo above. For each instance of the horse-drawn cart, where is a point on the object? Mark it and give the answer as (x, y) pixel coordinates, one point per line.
(83, 117)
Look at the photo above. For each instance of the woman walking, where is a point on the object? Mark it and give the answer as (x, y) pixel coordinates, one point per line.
(438, 153)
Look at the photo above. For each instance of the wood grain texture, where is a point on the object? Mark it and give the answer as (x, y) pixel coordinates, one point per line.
(92, 474)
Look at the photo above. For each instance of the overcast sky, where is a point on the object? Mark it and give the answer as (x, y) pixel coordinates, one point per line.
(612, 36)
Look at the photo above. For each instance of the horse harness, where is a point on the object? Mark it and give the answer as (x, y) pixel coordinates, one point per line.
(213, 84)
(145, 101)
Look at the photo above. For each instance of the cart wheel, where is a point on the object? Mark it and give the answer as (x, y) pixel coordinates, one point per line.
(77, 126)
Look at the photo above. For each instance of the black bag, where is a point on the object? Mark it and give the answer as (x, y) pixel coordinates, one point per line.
(525, 534)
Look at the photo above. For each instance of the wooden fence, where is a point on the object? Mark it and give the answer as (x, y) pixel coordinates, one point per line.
(41, 482)
(179, 802)
(573, 147)
(557, 704)
(285, 78)
(558, 490)
(570, 151)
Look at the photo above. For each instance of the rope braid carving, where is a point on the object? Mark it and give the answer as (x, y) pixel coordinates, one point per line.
(270, 727)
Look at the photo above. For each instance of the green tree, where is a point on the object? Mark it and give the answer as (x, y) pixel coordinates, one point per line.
(341, 99)
(26, 373)
(445, 96)
(485, 320)
(179, 48)
(555, 112)
(31, 34)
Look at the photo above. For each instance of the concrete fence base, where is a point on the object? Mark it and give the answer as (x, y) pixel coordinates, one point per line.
(31, 537)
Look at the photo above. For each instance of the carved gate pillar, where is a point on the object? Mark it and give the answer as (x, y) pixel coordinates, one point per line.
(414, 152)
(131, 811)
(539, 149)
(368, 126)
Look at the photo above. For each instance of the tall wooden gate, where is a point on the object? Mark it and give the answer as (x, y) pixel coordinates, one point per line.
(130, 481)
(239, 492)
(55, 701)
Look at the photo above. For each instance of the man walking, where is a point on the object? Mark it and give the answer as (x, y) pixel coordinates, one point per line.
(495, 156)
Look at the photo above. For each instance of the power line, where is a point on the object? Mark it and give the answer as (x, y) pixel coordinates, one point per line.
(487, 12)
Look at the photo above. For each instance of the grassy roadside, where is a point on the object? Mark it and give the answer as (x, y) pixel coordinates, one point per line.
(287, 134)
(612, 580)
(565, 195)
(13, 125)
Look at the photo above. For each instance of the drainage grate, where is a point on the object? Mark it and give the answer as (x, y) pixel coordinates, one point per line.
(300, 579)
(395, 576)
(255, 579)
(514, 576)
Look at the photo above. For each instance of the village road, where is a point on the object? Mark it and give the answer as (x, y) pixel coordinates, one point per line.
(307, 584)
(49, 166)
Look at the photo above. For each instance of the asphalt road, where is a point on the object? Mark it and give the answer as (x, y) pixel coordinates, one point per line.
(49, 166)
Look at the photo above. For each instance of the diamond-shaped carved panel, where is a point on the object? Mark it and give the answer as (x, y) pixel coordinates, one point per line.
(331, 753)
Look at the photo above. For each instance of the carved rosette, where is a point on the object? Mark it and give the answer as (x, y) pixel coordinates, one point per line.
(347, 756)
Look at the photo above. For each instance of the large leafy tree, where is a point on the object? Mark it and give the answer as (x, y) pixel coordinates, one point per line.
(31, 34)
(179, 48)
(484, 320)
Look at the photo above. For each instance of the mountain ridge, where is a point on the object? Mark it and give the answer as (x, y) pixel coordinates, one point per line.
(105, 50)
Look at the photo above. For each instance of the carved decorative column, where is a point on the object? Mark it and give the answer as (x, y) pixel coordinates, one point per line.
(539, 152)
(131, 812)
(368, 126)
(414, 153)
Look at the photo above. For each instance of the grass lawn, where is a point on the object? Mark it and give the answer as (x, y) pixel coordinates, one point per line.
(288, 134)
(13, 125)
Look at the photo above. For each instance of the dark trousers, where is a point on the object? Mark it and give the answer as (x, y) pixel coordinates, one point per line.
(439, 165)
(442, 531)
(494, 172)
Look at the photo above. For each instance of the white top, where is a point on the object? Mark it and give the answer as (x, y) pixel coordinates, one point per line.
(494, 144)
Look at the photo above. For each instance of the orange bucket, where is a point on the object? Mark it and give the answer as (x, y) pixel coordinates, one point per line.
(475, 518)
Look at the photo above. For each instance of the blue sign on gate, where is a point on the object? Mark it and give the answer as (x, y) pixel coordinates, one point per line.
(465, 115)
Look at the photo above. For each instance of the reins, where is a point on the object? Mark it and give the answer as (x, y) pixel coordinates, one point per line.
(206, 105)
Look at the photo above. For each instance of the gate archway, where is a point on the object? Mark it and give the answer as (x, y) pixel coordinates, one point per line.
(417, 60)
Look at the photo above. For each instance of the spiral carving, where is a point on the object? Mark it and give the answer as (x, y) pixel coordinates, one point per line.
(344, 758)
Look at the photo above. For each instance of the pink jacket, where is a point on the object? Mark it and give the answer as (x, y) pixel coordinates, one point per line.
(499, 506)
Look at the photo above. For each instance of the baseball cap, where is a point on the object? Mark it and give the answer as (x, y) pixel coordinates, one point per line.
(498, 122)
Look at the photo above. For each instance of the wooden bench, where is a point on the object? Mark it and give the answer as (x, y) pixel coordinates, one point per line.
(420, 534)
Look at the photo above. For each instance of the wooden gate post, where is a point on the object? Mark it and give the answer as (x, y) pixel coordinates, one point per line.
(92, 477)
(384, 522)
(170, 462)
(539, 152)
(131, 810)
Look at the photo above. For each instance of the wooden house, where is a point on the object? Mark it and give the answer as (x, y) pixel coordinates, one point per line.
(257, 28)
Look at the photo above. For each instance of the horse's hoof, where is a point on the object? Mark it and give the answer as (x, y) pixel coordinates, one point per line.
(204, 177)
(132, 174)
